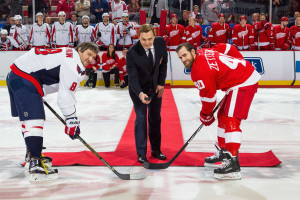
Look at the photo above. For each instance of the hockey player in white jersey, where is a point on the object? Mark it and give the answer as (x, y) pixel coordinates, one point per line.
(84, 32)
(40, 33)
(5, 43)
(125, 32)
(35, 74)
(105, 33)
(18, 34)
(62, 32)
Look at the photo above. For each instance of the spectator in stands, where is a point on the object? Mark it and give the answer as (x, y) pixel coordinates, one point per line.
(254, 18)
(5, 7)
(295, 34)
(185, 19)
(209, 11)
(195, 11)
(105, 33)
(194, 34)
(154, 11)
(99, 7)
(62, 32)
(118, 8)
(123, 69)
(110, 65)
(67, 6)
(16, 7)
(263, 34)
(125, 32)
(84, 32)
(293, 21)
(220, 31)
(82, 7)
(40, 33)
(243, 35)
(174, 34)
(226, 7)
(281, 35)
(10, 24)
(294, 6)
(40, 6)
(133, 10)
(181, 4)
(18, 34)
(5, 43)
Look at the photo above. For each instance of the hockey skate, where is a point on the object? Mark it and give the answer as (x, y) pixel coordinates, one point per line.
(217, 160)
(40, 169)
(230, 171)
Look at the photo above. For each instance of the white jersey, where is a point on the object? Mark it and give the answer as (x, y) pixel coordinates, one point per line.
(119, 9)
(18, 36)
(62, 34)
(53, 70)
(108, 33)
(5, 45)
(84, 34)
(39, 35)
(130, 32)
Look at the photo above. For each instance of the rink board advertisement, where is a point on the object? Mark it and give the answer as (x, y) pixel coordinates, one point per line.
(276, 67)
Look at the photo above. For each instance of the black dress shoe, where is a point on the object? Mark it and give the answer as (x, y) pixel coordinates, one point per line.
(142, 159)
(159, 155)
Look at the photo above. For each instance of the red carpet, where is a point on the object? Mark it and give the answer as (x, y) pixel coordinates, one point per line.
(172, 141)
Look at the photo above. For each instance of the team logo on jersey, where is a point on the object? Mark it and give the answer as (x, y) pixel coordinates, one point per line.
(80, 71)
(242, 33)
(220, 32)
(257, 63)
(195, 34)
(173, 33)
(280, 35)
(187, 71)
(25, 114)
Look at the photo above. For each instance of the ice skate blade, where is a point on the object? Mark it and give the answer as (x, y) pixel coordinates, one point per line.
(42, 177)
(228, 176)
(213, 165)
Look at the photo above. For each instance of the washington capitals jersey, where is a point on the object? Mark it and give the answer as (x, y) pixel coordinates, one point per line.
(84, 34)
(40, 35)
(18, 35)
(62, 34)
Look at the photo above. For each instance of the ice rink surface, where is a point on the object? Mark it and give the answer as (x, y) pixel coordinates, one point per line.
(273, 124)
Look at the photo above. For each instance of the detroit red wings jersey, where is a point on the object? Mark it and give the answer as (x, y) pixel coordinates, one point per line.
(175, 34)
(122, 68)
(17, 35)
(108, 33)
(194, 35)
(281, 37)
(6, 45)
(219, 33)
(295, 37)
(40, 35)
(84, 34)
(242, 37)
(108, 62)
(214, 71)
(265, 36)
(62, 34)
(228, 49)
(53, 70)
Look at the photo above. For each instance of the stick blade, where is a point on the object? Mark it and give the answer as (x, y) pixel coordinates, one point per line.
(136, 176)
(148, 165)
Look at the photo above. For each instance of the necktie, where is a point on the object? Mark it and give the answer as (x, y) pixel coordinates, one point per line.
(150, 57)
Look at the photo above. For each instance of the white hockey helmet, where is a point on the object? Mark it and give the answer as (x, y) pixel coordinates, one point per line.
(85, 17)
(3, 32)
(17, 17)
(39, 14)
(61, 13)
(125, 14)
(105, 15)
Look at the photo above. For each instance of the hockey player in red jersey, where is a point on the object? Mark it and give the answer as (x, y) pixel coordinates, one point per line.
(219, 31)
(123, 70)
(281, 35)
(243, 35)
(174, 33)
(294, 37)
(193, 34)
(227, 49)
(263, 34)
(212, 71)
(35, 74)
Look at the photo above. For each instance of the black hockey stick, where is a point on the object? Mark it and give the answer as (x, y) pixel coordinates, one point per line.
(136, 176)
(148, 165)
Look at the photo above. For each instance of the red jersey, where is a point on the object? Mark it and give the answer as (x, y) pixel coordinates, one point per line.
(108, 62)
(96, 64)
(194, 35)
(228, 49)
(219, 33)
(281, 37)
(242, 37)
(122, 68)
(265, 31)
(214, 71)
(175, 35)
(295, 37)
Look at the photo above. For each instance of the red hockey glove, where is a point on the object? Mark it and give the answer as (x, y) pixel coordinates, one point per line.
(72, 127)
(207, 120)
(124, 33)
(257, 26)
(266, 26)
(285, 46)
(47, 46)
(272, 46)
(71, 45)
(252, 47)
(4, 47)
(53, 46)
(29, 47)
(99, 43)
(22, 47)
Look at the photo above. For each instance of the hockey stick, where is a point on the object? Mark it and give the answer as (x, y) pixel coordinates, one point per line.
(169, 51)
(136, 176)
(148, 165)
(294, 55)
(23, 40)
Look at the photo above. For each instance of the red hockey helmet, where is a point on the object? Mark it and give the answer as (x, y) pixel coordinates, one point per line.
(243, 17)
(221, 15)
(284, 19)
(174, 15)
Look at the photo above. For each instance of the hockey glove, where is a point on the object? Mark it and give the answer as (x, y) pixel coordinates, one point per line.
(207, 120)
(124, 33)
(272, 46)
(72, 127)
(29, 47)
(285, 46)
(4, 47)
(99, 34)
(53, 46)
(257, 26)
(71, 45)
(252, 47)
(22, 47)
(99, 43)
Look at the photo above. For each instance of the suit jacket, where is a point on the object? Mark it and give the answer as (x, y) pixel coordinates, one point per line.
(142, 77)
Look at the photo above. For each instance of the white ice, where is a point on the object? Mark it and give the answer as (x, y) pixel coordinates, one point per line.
(273, 123)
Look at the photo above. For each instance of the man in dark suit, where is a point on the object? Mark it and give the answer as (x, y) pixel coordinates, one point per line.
(147, 69)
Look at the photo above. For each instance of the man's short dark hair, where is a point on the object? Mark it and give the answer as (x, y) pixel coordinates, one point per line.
(187, 45)
(87, 45)
(145, 28)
